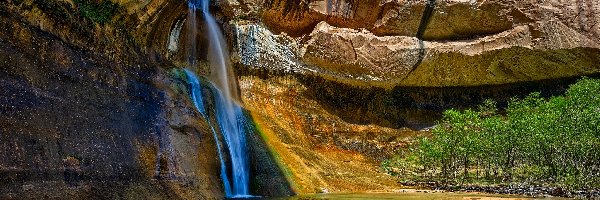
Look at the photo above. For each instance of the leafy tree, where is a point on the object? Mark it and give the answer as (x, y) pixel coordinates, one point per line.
(553, 141)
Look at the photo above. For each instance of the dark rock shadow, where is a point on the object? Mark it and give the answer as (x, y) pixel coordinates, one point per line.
(417, 107)
(267, 179)
(425, 19)
(70, 119)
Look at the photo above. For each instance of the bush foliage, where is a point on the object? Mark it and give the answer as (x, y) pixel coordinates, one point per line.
(99, 11)
(553, 141)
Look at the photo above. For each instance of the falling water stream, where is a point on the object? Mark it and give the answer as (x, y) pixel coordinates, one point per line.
(196, 95)
(230, 118)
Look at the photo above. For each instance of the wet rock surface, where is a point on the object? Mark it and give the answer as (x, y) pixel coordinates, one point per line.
(316, 150)
(80, 124)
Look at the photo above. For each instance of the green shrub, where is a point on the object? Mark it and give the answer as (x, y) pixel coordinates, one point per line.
(552, 141)
(99, 11)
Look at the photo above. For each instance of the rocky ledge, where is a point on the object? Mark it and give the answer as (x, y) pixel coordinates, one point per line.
(454, 43)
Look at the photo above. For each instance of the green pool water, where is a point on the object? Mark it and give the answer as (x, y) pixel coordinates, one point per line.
(413, 196)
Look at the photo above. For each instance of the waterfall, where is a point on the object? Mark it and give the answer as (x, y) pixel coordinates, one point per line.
(196, 95)
(230, 117)
(232, 124)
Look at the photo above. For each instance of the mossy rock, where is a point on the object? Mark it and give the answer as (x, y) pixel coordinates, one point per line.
(99, 11)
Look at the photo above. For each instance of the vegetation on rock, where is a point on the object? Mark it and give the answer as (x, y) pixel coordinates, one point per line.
(536, 141)
(99, 11)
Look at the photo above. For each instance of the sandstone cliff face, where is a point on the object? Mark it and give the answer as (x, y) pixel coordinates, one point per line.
(317, 150)
(449, 19)
(462, 43)
(393, 64)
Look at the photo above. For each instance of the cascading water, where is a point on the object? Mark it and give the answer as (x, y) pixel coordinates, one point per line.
(196, 95)
(229, 114)
(232, 121)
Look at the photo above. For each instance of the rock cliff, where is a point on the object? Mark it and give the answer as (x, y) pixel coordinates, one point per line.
(88, 112)
(423, 43)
